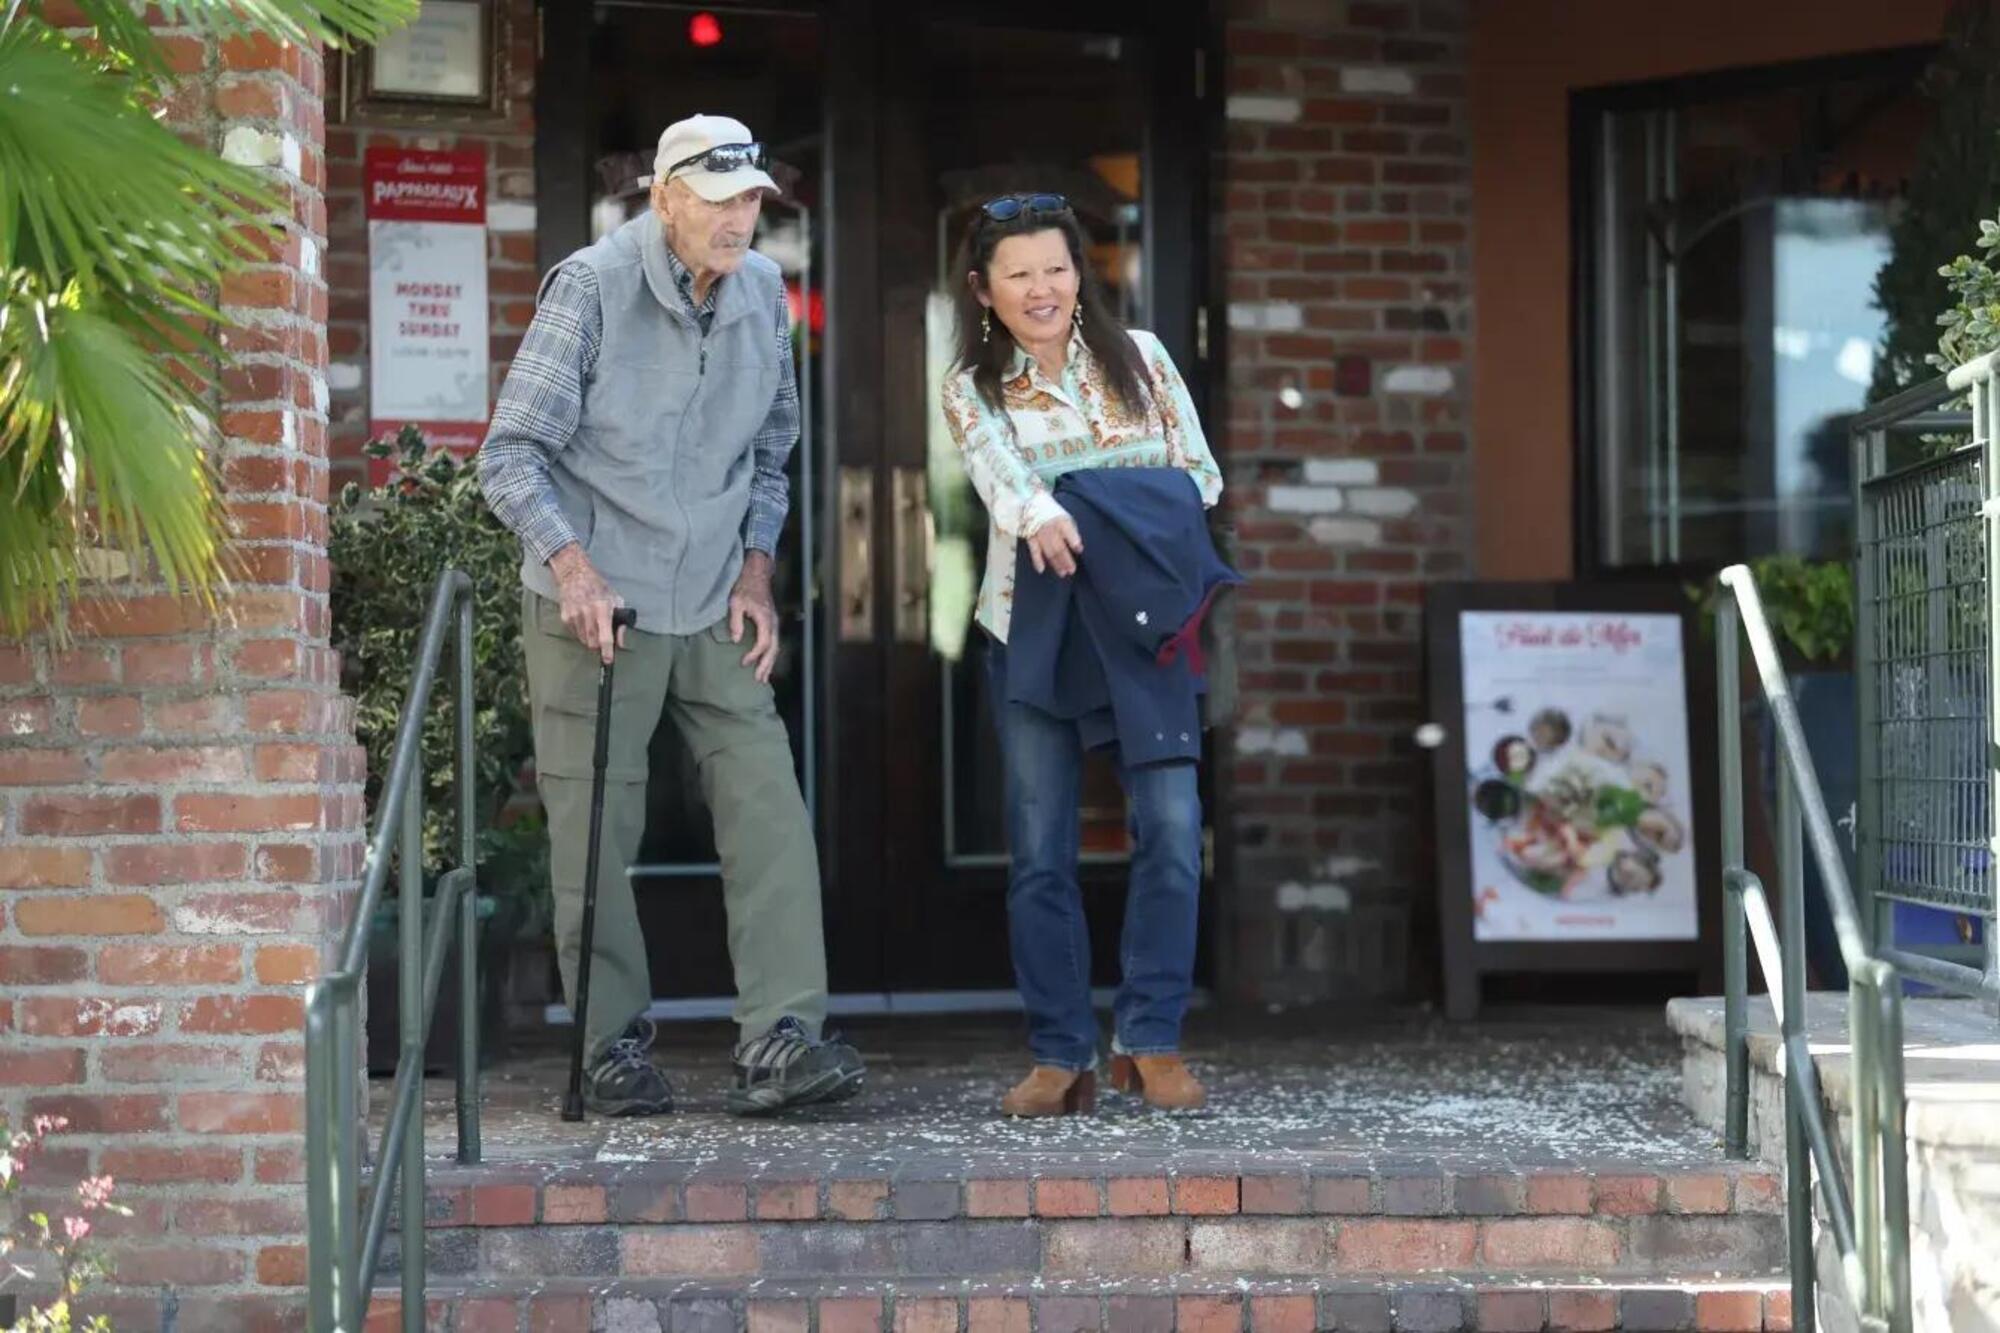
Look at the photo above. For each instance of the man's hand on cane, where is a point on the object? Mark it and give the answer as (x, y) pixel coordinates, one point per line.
(587, 600)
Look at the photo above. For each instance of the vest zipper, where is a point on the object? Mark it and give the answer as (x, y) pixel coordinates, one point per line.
(680, 432)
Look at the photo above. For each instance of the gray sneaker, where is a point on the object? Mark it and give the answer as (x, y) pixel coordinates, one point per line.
(785, 1068)
(625, 1081)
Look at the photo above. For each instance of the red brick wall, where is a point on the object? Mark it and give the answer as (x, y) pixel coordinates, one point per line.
(508, 140)
(180, 803)
(1343, 221)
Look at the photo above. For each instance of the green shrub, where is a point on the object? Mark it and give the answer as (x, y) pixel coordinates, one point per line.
(388, 545)
(1809, 603)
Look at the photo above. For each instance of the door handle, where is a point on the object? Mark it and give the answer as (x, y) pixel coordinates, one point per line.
(857, 566)
(915, 534)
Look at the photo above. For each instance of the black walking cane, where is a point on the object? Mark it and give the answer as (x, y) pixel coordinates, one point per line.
(600, 758)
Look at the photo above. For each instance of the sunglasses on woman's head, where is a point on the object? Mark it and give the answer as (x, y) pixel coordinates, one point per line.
(1008, 207)
(725, 158)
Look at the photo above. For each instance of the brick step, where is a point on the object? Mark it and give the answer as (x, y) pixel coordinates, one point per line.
(1435, 1303)
(512, 1194)
(662, 1220)
(1662, 1246)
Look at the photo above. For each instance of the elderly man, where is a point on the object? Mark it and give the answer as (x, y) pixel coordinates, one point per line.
(638, 450)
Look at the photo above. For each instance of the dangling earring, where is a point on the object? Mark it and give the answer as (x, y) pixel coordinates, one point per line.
(986, 327)
(1076, 317)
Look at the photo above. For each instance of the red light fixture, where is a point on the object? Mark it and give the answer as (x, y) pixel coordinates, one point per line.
(705, 30)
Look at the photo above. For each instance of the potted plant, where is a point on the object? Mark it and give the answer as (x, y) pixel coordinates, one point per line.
(388, 543)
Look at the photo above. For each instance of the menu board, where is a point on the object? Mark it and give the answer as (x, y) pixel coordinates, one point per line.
(1578, 806)
(1572, 743)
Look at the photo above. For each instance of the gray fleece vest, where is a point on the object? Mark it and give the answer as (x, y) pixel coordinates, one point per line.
(656, 480)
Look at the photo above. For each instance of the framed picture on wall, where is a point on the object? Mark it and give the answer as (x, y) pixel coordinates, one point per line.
(446, 59)
(1573, 774)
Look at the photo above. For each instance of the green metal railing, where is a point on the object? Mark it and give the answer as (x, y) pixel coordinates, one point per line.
(342, 1256)
(1927, 493)
(1870, 1225)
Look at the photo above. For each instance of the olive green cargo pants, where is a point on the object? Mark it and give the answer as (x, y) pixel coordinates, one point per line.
(770, 867)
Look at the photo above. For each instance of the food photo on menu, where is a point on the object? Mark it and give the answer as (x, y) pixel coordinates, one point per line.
(1578, 777)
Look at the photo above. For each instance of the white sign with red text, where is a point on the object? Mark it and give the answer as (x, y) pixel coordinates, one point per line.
(1578, 776)
(427, 328)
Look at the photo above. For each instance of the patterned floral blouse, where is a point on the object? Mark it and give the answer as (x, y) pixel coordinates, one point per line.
(1058, 428)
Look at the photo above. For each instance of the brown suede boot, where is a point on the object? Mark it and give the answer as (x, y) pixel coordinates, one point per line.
(1051, 1091)
(1163, 1080)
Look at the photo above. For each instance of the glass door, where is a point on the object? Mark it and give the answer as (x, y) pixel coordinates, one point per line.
(987, 104)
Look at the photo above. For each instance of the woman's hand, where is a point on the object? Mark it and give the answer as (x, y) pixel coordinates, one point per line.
(1056, 545)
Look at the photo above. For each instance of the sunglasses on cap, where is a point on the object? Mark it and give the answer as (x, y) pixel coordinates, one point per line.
(1010, 206)
(725, 158)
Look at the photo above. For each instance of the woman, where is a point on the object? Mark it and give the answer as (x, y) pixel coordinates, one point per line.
(1048, 381)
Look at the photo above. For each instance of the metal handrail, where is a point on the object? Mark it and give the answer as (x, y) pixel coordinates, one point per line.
(341, 1259)
(1870, 1225)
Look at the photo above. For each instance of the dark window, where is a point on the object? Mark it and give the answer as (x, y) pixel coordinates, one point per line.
(1730, 232)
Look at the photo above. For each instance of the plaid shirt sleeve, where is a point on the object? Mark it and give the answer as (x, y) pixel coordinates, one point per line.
(771, 450)
(538, 411)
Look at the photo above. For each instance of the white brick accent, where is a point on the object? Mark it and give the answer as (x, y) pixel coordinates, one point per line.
(308, 255)
(247, 146)
(1341, 471)
(344, 375)
(1382, 503)
(1269, 740)
(1346, 531)
(1427, 381)
(1377, 81)
(1278, 110)
(1306, 500)
(510, 217)
(1266, 316)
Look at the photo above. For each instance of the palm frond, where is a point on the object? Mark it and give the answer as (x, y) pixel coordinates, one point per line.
(121, 36)
(100, 188)
(168, 324)
(101, 445)
(111, 229)
(335, 22)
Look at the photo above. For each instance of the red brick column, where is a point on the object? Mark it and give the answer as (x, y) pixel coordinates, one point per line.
(1344, 223)
(180, 802)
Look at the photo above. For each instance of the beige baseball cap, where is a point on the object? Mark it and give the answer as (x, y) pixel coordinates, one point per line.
(682, 156)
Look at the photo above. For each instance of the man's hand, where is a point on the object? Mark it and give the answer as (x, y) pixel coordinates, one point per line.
(751, 601)
(587, 600)
(1056, 545)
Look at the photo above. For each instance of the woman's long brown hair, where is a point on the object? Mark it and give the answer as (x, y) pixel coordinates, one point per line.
(987, 358)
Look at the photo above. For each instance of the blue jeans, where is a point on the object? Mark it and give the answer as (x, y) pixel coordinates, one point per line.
(1046, 929)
